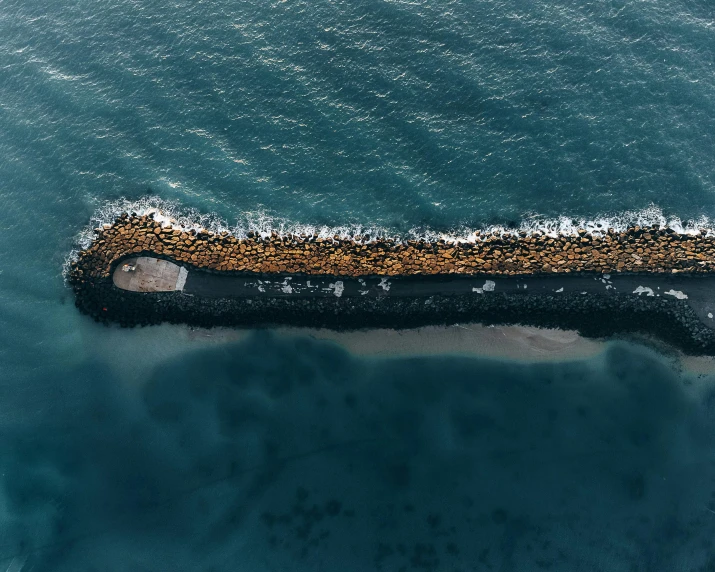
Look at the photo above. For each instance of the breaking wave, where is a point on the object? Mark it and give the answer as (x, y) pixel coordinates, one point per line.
(176, 215)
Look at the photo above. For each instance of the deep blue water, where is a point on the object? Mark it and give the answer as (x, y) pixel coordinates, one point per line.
(158, 450)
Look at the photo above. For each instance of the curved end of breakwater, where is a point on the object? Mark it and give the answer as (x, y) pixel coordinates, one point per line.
(109, 288)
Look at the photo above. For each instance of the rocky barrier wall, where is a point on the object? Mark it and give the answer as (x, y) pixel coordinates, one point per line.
(634, 250)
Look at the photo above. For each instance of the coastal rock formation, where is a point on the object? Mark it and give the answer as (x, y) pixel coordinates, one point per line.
(634, 250)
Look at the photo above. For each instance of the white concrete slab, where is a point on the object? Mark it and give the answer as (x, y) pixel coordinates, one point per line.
(145, 274)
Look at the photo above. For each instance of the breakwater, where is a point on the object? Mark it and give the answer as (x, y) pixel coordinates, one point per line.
(683, 323)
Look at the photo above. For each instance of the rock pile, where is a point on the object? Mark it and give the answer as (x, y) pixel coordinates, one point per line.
(635, 250)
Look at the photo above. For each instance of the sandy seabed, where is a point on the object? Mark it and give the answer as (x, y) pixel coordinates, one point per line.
(521, 343)
(613, 434)
(513, 343)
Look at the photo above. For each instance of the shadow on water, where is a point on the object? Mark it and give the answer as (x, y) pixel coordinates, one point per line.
(291, 454)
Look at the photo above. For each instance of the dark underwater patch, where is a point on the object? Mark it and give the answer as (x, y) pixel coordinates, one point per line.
(434, 463)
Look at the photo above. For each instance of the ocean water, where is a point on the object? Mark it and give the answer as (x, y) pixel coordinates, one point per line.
(171, 449)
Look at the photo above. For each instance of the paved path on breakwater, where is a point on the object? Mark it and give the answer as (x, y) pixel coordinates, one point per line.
(698, 291)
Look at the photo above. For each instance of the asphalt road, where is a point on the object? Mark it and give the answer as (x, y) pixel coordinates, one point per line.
(699, 292)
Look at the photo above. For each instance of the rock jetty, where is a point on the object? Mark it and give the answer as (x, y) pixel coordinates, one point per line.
(633, 250)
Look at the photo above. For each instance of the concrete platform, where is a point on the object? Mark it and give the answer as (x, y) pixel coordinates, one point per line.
(144, 274)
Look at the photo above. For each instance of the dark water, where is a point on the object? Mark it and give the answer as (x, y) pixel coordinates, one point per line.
(290, 454)
(164, 449)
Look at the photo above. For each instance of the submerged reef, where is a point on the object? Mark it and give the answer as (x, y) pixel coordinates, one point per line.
(633, 251)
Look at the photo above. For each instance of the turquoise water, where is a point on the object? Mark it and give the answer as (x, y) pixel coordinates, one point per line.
(166, 449)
